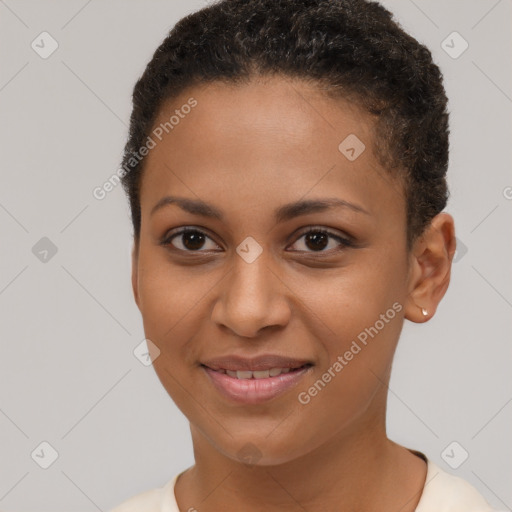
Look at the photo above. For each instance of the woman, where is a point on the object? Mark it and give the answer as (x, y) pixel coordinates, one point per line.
(286, 171)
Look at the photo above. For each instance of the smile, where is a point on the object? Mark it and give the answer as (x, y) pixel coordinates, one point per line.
(262, 374)
(258, 386)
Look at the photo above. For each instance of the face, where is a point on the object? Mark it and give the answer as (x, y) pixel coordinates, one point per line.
(246, 286)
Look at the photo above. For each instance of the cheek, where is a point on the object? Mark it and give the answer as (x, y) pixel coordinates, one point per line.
(170, 304)
(167, 293)
(344, 303)
(357, 318)
(170, 307)
(350, 383)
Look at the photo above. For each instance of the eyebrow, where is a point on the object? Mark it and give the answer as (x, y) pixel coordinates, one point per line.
(281, 214)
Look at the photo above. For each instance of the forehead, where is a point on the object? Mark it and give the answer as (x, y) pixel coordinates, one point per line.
(274, 112)
(272, 140)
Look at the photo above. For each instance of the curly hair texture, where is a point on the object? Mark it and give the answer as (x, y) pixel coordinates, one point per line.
(350, 48)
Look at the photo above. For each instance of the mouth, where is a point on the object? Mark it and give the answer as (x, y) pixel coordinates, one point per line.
(251, 387)
(258, 374)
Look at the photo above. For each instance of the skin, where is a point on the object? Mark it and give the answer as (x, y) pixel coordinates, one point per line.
(248, 149)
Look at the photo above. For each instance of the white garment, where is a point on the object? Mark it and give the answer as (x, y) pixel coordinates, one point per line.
(442, 492)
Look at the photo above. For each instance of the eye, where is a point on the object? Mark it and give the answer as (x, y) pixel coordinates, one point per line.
(189, 240)
(317, 239)
(193, 240)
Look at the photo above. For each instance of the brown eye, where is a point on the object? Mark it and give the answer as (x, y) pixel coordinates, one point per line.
(317, 240)
(190, 240)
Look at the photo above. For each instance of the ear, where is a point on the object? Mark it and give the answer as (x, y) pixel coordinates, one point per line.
(135, 272)
(430, 267)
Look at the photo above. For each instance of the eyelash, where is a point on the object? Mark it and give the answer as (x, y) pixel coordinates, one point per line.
(344, 242)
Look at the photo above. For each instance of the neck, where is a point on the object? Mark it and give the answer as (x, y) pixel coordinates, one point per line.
(359, 467)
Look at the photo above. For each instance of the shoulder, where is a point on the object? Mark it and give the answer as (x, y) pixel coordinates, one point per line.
(150, 501)
(444, 492)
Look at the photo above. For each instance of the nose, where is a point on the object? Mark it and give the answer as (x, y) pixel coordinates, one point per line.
(253, 297)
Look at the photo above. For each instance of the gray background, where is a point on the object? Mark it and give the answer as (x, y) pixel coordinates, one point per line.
(69, 324)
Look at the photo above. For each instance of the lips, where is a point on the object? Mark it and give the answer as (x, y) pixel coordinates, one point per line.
(252, 381)
(254, 391)
(259, 374)
(264, 363)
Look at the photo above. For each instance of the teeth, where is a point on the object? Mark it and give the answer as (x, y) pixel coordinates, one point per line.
(243, 374)
(263, 374)
(259, 374)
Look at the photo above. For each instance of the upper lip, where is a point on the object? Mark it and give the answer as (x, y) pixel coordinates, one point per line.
(263, 362)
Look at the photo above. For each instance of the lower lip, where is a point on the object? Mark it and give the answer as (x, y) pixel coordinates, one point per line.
(255, 391)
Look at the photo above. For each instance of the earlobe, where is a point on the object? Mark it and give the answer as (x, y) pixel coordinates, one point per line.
(431, 262)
